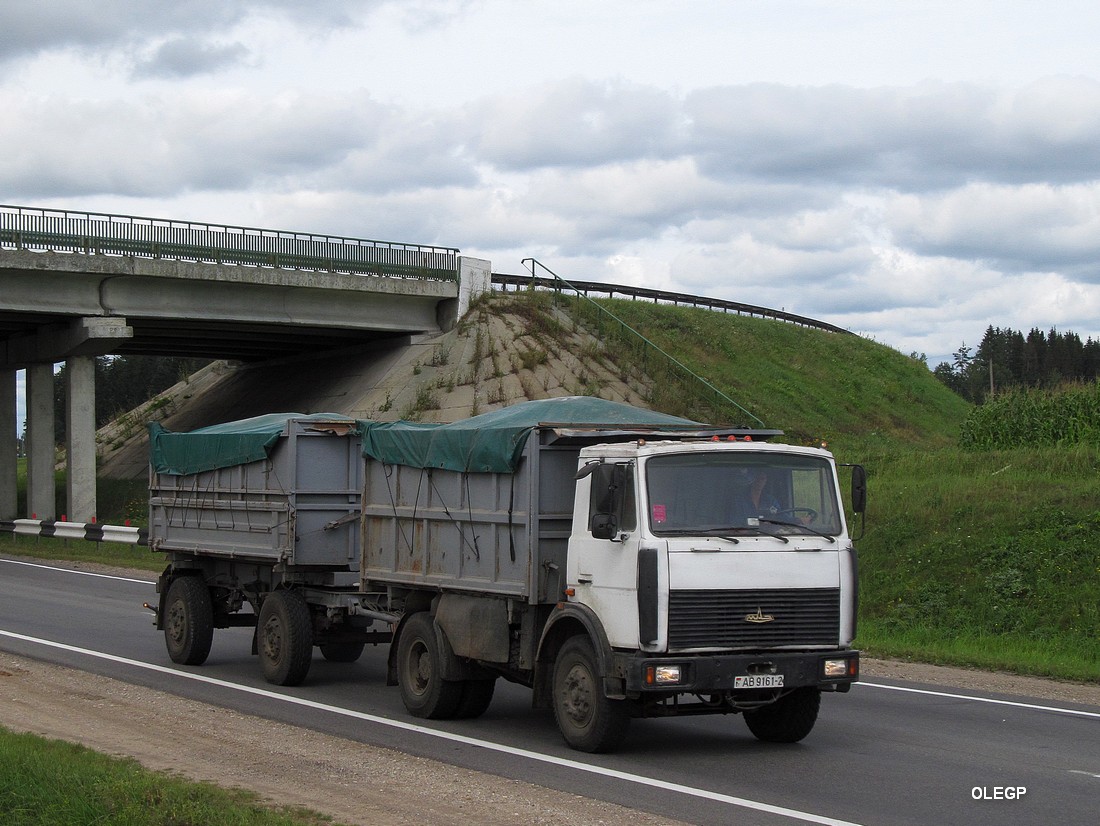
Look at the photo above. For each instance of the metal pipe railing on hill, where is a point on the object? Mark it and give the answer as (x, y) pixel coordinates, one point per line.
(665, 297)
(722, 406)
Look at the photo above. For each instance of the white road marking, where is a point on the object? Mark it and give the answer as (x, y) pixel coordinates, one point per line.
(74, 571)
(741, 802)
(1032, 706)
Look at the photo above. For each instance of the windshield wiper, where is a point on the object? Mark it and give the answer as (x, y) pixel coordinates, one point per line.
(720, 533)
(769, 533)
(806, 528)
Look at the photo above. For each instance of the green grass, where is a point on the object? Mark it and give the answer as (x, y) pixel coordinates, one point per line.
(119, 554)
(989, 559)
(52, 783)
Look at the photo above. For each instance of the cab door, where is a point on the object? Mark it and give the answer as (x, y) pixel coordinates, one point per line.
(603, 551)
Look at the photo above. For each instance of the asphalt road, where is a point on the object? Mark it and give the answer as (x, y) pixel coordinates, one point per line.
(887, 753)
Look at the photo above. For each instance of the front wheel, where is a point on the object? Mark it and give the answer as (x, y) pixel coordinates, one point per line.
(788, 719)
(285, 638)
(188, 620)
(587, 719)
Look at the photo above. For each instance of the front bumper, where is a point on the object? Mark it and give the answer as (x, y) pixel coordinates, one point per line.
(718, 673)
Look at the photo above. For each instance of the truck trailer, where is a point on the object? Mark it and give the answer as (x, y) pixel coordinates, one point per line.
(621, 563)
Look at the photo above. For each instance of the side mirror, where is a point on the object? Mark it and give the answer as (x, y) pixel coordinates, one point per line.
(859, 489)
(604, 526)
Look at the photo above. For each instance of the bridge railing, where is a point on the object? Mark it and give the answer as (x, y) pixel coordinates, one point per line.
(88, 233)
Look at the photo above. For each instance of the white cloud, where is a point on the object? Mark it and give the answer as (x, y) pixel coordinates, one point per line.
(882, 168)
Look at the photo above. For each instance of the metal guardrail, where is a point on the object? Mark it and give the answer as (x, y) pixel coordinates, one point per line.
(88, 233)
(91, 531)
(720, 404)
(664, 297)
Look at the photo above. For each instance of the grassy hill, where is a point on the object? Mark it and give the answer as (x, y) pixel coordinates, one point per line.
(971, 557)
(813, 384)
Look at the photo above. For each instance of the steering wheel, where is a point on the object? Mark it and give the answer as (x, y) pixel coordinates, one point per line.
(798, 512)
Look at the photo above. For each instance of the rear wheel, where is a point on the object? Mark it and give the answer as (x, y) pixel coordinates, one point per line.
(788, 719)
(476, 697)
(342, 652)
(419, 668)
(587, 719)
(188, 620)
(285, 638)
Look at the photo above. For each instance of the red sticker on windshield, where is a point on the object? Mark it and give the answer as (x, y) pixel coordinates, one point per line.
(658, 513)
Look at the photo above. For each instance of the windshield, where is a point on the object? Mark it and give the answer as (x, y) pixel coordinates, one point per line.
(741, 494)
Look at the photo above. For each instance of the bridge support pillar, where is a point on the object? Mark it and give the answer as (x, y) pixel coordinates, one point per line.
(41, 499)
(8, 435)
(80, 483)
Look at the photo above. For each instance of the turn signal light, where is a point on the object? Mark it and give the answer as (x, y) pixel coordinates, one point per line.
(838, 669)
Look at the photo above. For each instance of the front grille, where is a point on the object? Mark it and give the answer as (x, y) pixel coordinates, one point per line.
(716, 619)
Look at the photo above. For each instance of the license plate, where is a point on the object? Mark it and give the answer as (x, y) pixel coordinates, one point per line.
(759, 681)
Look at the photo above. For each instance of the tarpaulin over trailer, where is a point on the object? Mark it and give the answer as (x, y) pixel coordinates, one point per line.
(493, 442)
(224, 445)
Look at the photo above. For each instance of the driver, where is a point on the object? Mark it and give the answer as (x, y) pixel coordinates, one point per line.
(760, 501)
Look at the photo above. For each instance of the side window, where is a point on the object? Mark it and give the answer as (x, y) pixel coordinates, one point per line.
(611, 505)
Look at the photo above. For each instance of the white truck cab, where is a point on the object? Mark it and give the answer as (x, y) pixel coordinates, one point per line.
(718, 568)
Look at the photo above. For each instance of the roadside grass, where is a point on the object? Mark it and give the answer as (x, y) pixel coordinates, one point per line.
(984, 559)
(121, 502)
(48, 782)
(117, 554)
(1059, 658)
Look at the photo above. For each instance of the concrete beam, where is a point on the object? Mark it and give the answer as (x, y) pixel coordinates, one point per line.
(8, 434)
(80, 482)
(41, 501)
(90, 336)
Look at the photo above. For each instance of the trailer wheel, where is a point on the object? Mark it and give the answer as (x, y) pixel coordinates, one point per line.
(419, 666)
(788, 719)
(476, 697)
(188, 620)
(587, 719)
(285, 638)
(342, 652)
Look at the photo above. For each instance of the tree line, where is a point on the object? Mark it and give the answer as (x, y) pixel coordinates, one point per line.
(123, 383)
(1007, 359)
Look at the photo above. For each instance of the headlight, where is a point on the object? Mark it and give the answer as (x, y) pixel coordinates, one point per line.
(663, 674)
(837, 669)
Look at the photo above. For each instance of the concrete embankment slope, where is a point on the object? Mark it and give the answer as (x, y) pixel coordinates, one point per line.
(499, 354)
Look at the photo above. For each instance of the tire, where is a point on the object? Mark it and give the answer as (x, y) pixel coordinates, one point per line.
(587, 719)
(342, 652)
(188, 620)
(788, 719)
(476, 697)
(284, 638)
(419, 666)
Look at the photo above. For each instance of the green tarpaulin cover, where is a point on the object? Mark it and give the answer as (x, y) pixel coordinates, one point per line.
(221, 445)
(493, 442)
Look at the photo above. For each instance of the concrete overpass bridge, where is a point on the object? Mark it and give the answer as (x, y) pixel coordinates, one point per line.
(74, 286)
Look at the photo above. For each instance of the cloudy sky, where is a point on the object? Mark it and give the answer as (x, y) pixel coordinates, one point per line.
(912, 171)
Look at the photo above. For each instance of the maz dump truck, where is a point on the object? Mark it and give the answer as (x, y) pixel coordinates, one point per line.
(619, 562)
